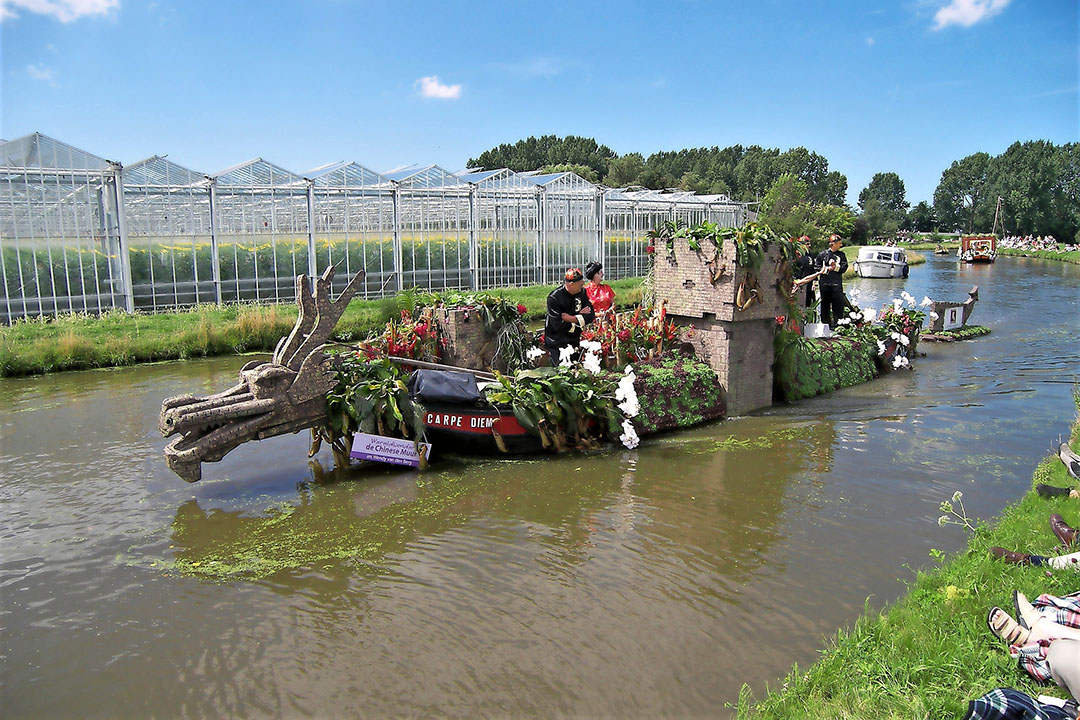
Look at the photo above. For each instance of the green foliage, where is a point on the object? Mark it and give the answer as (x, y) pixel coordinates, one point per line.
(78, 341)
(787, 209)
(921, 218)
(962, 192)
(888, 190)
(534, 153)
(676, 391)
(566, 407)
(624, 171)
(806, 367)
(965, 333)
(370, 396)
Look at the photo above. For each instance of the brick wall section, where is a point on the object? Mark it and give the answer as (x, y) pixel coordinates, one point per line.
(468, 343)
(737, 345)
(686, 285)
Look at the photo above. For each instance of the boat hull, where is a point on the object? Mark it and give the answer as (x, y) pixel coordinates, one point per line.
(880, 269)
(476, 429)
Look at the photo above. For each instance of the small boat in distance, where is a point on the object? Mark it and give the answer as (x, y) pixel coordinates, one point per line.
(881, 261)
(940, 250)
(977, 248)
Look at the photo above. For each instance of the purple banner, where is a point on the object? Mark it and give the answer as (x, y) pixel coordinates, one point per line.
(394, 451)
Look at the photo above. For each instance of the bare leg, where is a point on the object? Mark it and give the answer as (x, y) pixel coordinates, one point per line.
(1063, 656)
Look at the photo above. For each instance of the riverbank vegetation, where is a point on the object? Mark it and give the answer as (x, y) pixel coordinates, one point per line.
(1037, 181)
(79, 341)
(931, 652)
(1071, 256)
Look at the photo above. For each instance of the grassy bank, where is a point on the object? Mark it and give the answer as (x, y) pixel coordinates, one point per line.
(931, 652)
(1073, 256)
(76, 342)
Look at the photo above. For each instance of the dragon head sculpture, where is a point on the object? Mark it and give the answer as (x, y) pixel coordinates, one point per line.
(284, 395)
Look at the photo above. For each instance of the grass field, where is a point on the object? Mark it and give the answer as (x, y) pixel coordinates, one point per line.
(931, 652)
(78, 341)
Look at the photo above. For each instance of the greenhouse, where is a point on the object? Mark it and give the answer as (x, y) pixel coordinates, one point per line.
(79, 233)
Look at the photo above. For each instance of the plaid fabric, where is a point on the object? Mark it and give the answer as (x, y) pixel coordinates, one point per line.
(1062, 610)
(1009, 704)
(1032, 657)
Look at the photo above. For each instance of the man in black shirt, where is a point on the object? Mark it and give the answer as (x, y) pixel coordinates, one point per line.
(831, 283)
(568, 310)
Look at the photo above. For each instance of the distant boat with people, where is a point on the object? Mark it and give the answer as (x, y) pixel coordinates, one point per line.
(977, 248)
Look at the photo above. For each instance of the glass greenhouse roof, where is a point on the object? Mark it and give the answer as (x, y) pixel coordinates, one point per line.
(258, 173)
(41, 151)
(159, 172)
(346, 175)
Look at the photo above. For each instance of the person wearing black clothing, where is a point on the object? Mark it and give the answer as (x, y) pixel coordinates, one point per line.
(568, 310)
(805, 266)
(831, 282)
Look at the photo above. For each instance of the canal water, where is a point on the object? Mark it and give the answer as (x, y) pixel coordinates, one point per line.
(646, 583)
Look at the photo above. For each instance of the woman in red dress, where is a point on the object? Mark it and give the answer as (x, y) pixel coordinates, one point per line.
(600, 295)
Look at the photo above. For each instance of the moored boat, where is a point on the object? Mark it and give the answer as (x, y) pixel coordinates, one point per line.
(881, 261)
(977, 248)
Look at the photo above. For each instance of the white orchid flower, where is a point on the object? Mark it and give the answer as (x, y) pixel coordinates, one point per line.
(869, 314)
(566, 355)
(591, 362)
(629, 438)
(926, 301)
(533, 353)
(881, 348)
(905, 340)
(934, 315)
(897, 304)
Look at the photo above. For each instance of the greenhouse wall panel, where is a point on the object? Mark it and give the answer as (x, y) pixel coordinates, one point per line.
(82, 234)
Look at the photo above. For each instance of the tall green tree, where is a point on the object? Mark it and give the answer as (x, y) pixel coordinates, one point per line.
(533, 153)
(921, 218)
(625, 170)
(1031, 179)
(961, 195)
(888, 190)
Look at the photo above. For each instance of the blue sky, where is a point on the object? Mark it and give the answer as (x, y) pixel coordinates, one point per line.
(902, 86)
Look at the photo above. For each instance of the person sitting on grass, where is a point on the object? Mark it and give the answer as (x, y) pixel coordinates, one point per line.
(1045, 639)
(1066, 534)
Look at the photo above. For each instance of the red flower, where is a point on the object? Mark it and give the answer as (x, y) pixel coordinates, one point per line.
(780, 319)
(624, 335)
(522, 309)
(650, 249)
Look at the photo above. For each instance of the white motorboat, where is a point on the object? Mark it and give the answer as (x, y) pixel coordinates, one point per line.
(881, 261)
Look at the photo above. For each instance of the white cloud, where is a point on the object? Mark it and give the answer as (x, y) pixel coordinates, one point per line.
(968, 12)
(62, 10)
(430, 87)
(870, 41)
(40, 72)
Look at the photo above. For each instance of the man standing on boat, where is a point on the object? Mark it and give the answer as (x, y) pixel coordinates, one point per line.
(831, 283)
(568, 311)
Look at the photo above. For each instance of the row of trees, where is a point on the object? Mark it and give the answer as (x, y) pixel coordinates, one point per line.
(742, 173)
(1038, 183)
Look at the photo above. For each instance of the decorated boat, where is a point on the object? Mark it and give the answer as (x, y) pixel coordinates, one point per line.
(881, 261)
(371, 406)
(977, 248)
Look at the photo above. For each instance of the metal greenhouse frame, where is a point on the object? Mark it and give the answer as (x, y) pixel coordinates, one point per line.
(79, 233)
